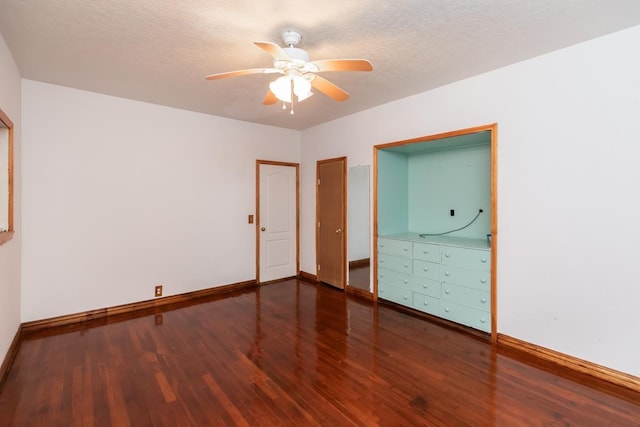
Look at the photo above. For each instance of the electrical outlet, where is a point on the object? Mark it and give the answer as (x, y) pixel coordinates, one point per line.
(452, 212)
(158, 291)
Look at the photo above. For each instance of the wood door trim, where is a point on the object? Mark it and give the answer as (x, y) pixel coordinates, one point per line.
(493, 128)
(344, 216)
(374, 255)
(257, 214)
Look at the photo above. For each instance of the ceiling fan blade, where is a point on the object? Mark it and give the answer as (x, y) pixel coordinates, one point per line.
(329, 89)
(343, 65)
(274, 50)
(242, 73)
(270, 99)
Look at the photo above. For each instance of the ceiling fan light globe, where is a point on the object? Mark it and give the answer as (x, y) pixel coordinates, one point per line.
(305, 96)
(301, 87)
(281, 88)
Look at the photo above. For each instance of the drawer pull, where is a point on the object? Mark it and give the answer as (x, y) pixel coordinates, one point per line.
(406, 249)
(406, 297)
(425, 251)
(406, 282)
(483, 320)
(381, 274)
(426, 269)
(406, 265)
(447, 291)
(426, 303)
(446, 273)
(483, 281)
(425, 286)
(483, 260)
(483, 300)
(447, 255)
(382, 245)
(446, 309)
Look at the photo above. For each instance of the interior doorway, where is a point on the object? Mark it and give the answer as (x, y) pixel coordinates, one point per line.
(359, 236)
(331, 221)
(277, 222)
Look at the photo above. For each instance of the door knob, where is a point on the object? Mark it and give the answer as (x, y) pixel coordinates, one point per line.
(339, 230)
(263, 229)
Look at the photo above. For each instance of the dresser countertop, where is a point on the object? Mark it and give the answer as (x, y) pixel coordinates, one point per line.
(464, 242)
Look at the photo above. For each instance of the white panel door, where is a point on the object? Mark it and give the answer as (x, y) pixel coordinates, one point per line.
(277, 226)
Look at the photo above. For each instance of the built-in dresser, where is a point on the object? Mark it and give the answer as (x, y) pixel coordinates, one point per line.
(449, 277)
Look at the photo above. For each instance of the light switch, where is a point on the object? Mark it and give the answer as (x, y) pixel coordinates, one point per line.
(250, 219)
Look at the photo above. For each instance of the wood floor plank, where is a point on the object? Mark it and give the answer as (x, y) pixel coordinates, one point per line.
(291, 354)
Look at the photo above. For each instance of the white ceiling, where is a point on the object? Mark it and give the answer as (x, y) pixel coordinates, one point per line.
(159, 51)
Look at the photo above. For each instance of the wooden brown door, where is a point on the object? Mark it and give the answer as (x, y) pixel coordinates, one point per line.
(330, 221)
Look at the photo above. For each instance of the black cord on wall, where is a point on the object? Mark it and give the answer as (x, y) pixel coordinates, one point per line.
(451, 231)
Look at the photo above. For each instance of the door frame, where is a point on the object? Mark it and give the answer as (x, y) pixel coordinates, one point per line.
(345, 232)
(493, 128)
(257, 214)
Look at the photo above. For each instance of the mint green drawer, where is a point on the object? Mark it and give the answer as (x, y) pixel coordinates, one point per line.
(426, 286)
(477, 279)
(395, 294)
(395, 247)
(395, 263)
(426, 269)
(467, 316)
(394, 278)
(426, 252)
(426, 303)
(466, 296)
(462, 257)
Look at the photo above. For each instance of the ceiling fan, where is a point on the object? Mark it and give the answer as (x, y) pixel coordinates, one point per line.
(298, 72)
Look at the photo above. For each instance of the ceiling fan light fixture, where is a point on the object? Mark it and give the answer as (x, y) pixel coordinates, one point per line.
(298, 72)
(281, 88)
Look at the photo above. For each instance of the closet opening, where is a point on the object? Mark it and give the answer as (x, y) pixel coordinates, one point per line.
(435, 226)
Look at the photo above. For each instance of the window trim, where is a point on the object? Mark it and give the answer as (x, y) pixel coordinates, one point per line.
(5, 236)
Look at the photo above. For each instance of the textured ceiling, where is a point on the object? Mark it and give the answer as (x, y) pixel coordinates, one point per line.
(159, 51)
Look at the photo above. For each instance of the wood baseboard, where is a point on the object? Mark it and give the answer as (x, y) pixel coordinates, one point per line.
(308, 277)
(573, 363)
(10, 356)
(360, 293)
(124, 309)
(365, 262)
(271, 282)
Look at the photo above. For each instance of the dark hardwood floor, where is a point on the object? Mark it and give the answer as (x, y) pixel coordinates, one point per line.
(290, 353)
(359, 277)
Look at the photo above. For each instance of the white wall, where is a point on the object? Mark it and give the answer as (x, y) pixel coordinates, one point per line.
(120, 196)
(10, 251)
(568, 188)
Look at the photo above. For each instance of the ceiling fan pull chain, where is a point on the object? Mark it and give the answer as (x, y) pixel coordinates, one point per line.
(291, 98)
